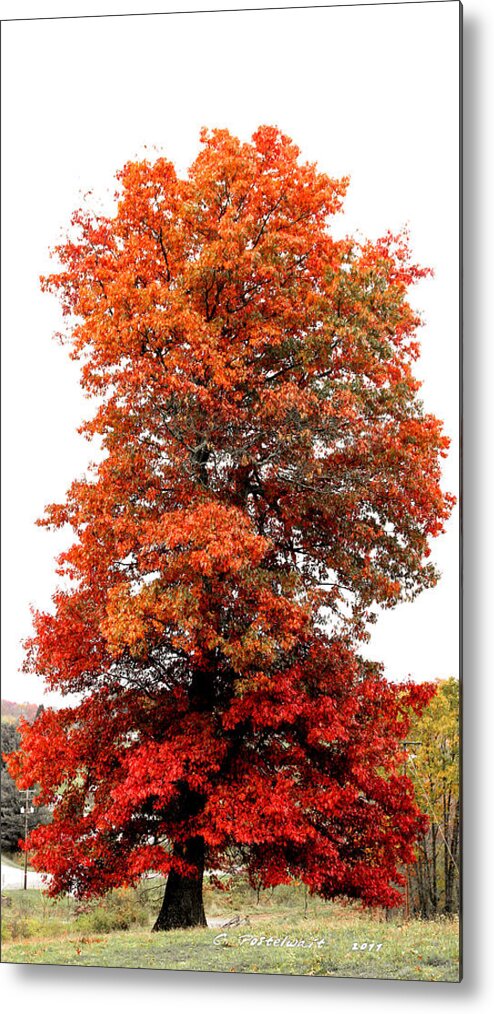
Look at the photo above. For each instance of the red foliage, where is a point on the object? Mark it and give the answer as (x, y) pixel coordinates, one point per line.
(269, 476)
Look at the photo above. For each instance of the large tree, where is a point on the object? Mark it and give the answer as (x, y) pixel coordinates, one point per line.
(268, 476)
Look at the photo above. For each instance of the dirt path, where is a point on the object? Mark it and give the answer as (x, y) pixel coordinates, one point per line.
(13, 878)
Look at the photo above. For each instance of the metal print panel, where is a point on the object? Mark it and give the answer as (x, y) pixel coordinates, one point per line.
(233, 491)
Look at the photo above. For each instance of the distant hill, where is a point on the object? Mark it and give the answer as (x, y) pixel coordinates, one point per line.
(11, 711)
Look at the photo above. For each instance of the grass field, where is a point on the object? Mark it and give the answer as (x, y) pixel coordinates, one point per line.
(285, 933)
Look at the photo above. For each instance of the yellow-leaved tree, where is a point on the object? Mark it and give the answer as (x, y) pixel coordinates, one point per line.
(434, 767)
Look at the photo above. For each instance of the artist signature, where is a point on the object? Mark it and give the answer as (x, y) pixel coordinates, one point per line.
(250, 940)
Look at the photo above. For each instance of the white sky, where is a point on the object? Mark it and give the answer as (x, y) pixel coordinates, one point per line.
(371, 92)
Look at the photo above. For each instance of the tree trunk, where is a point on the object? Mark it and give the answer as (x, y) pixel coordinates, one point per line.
(451, 865)
(182, 903)
(423, 877)
(434, 891)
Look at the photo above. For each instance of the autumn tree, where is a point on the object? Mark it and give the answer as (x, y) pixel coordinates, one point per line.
(269, 476)
(434, 768)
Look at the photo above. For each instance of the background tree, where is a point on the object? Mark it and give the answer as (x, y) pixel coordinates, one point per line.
(269, 476)
(13, 799)
(12, 711)
(435, 772)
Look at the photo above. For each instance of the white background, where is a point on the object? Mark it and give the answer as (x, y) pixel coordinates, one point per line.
(45, 453)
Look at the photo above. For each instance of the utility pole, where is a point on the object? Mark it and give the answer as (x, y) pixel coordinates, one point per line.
(26, 810)
(407, 743)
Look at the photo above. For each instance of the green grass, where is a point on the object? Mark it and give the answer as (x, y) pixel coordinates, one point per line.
(116, 933)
